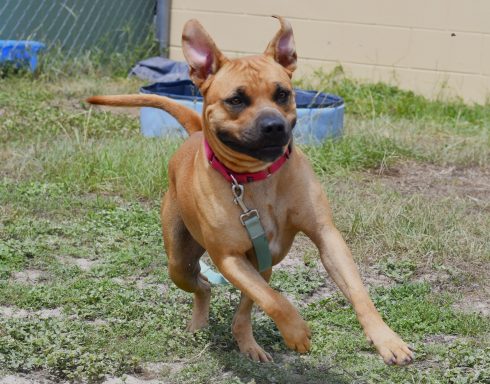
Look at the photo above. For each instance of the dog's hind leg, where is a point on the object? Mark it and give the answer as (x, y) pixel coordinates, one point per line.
(183, 263)
(242, 329)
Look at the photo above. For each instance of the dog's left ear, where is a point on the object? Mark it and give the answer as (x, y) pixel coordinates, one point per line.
(282, 47)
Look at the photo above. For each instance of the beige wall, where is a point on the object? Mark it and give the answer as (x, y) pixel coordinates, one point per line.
(438, 48)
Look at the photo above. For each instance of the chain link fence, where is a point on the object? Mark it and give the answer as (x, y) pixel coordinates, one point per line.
(78, 25)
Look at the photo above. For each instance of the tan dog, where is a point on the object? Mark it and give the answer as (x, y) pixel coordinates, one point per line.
(248, 116)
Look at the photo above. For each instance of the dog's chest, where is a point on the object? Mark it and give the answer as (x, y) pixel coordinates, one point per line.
(279, 249)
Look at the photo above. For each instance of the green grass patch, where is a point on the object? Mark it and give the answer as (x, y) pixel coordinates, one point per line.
(301, 282)
(33, 119)
(355, 152)
(415, 313)
(131, 168)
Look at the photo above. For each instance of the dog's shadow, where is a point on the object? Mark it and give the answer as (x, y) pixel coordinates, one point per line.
(287, 368)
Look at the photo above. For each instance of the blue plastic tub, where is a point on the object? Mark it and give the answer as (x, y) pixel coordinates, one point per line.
(320, 115)
(20, 52)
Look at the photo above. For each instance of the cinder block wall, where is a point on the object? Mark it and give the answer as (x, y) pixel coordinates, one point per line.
(438, 48)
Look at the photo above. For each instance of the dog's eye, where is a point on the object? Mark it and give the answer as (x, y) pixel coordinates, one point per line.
(238, 100)
(235, 100)
(282, 96)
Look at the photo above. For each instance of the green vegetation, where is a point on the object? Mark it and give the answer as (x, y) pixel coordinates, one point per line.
(84, 290)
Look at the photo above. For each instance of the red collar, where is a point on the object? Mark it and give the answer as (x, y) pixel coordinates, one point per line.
(243, 178)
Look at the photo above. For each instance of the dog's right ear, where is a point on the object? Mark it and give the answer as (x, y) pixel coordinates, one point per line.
(201, 53)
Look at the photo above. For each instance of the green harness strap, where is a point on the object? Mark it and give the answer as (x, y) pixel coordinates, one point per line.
(259, 241)
(251, 221)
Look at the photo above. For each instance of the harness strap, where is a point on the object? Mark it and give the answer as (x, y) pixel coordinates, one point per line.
(259, 240)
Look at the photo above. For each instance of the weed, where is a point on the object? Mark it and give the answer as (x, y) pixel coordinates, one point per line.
(300, 282)
(65, 349)
(399, 270)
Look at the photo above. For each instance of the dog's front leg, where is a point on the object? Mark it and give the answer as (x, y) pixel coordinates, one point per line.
(241, 273)
(242, 328)
(337, 260)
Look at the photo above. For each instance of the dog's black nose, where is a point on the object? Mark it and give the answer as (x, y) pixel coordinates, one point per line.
(272, 125)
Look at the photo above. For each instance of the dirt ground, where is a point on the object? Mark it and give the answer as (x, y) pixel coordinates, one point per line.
(434, 180)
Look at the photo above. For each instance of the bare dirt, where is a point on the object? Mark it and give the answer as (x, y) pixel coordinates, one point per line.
(435, 180)
(29, 276)
(34, 378)
(477, 301)
(19, 313)
(82, 263)
(130, 379)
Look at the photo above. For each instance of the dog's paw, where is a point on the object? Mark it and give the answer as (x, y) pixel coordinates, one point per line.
(390, 346)
(194, 326)
(200, 320)
(253, 351)
(297, 335)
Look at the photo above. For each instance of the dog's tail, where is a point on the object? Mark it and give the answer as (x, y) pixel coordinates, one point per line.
(187, 117)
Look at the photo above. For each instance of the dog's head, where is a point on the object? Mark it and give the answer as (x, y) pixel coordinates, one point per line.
(249, 109)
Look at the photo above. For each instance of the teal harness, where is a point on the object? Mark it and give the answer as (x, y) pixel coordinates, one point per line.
(250, 219)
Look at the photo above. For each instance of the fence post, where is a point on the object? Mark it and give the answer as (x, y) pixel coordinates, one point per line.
(162, 26)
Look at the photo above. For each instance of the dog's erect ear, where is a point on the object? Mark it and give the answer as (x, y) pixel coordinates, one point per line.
(200, 51)
(282, 47)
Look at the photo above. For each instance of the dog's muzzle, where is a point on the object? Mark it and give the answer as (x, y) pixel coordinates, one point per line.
(266, 139)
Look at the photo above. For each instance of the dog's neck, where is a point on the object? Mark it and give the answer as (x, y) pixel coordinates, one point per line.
(235, 161)
(247, 177)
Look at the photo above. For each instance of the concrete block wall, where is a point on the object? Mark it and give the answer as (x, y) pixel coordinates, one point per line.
(438, 48)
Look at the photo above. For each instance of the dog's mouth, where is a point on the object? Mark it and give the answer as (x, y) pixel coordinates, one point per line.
(258, 149)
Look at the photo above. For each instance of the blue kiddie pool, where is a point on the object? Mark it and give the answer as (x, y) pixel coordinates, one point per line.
(320, 115)
(20, 52)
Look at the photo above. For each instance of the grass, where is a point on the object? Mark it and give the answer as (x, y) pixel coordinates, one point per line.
(84, 290)
(407, 125)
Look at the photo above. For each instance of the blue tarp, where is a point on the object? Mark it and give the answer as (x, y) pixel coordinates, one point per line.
(161, 70)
